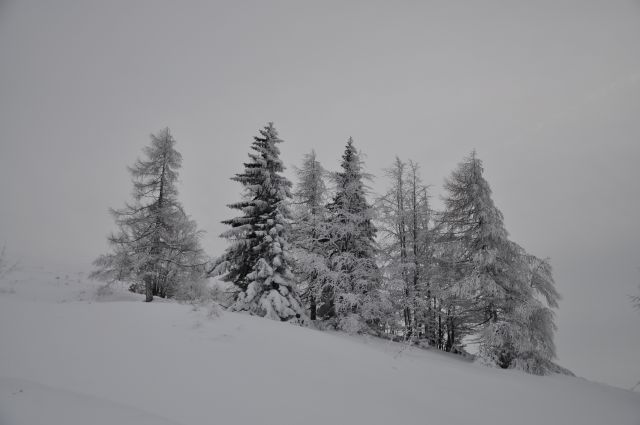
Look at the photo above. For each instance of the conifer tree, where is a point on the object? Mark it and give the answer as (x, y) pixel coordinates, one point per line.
(259, 261)
(421, 254)
(495, 288)
(403, 216)
(157, 247)
(310, 216)
(394, 217)
(351, 294)
(530, 320)
(476, 246)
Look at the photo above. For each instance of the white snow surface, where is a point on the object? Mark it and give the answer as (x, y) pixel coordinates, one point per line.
(69, 357)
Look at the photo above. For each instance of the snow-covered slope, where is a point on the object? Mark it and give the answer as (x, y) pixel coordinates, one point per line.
(67, 358)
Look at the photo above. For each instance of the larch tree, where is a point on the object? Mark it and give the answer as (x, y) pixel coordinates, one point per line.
(157, 246)
(310, 215)
(532, 330)
(420, 242)
(476, 244)
(405, 254)
(496, 289)
(393, 219)
(351, 292)
(258, 261)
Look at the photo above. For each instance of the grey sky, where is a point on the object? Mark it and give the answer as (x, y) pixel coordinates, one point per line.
(548, 92)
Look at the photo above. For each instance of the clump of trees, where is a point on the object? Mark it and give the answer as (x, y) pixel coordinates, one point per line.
(325, 252)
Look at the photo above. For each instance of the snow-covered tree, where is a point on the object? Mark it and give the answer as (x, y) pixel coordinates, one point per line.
(473, 247)
(259, 261)
(522, 335)
(157, 247)
(393, 218)
(496, 288)
(310, 215)
(350, 294)
(403, 214)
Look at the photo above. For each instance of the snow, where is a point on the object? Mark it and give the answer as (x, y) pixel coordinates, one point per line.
(28, 403)
(70, 357)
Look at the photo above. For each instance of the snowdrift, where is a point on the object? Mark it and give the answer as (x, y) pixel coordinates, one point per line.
(68, 357)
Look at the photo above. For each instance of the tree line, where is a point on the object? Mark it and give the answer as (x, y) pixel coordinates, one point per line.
(325, 253)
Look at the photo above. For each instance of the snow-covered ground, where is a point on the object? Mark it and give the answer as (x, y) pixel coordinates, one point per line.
(69, 358)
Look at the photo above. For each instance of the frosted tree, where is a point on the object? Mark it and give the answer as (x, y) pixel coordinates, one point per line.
(521, 337)
(259, 260)
(403, 214)
(310, 215)
(350, 294)
(393, 218)
(421, 253)
(475, 244)
(534, 348)
(157, 247)
(497, 289)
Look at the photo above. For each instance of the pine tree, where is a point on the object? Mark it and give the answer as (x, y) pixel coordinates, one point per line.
(157, 247)
(350, 293)
(310, 221)
(259, 261)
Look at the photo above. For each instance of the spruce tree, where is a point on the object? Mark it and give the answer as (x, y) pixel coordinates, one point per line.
(259, 261)
(351, 294)
(157, 247)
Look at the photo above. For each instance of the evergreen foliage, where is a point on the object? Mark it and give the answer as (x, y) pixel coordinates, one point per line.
(259, 261)
(350, 295)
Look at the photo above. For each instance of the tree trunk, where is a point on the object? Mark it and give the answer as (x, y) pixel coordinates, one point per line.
(313, 312)
(148, 288)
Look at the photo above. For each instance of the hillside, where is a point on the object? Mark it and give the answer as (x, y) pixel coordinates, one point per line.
(69, 357)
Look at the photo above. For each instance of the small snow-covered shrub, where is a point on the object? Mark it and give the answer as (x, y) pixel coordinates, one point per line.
(214, 310)
(352, 324)
(104, 291)
(194, 291)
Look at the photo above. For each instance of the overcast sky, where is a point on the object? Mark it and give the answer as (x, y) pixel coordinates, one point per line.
(548, 92)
